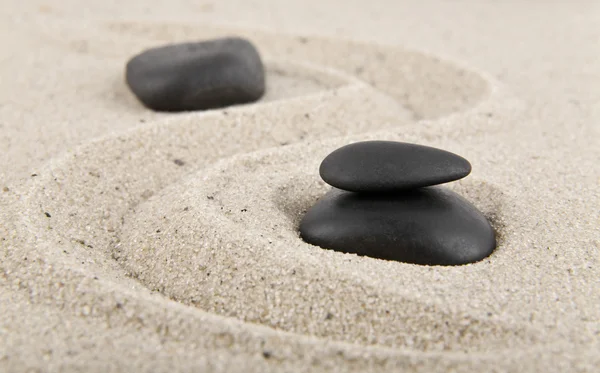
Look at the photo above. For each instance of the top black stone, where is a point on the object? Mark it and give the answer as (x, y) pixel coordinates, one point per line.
(197, 76)
(388, 166)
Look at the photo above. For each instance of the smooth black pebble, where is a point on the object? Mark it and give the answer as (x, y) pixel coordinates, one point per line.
(433, 226)
(197, 76)
(389, 166)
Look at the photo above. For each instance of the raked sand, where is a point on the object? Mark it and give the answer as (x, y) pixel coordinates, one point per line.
(140, 241)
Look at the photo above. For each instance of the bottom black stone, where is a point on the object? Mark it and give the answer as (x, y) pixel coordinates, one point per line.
(432, 226)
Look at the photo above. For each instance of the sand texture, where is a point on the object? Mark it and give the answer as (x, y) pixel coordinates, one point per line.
(132, 240)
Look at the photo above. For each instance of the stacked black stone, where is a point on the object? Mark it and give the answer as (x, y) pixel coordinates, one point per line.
(197, 76)
(384, 205)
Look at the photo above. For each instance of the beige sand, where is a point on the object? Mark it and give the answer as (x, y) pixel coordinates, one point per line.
(117, 258)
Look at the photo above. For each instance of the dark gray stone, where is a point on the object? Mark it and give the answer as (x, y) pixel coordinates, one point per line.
(433, 226)
(388, 166)
(197, 76)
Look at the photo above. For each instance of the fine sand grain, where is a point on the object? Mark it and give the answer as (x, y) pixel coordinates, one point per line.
(140, 241)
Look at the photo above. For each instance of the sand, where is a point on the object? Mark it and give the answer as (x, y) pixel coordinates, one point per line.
(140, 241)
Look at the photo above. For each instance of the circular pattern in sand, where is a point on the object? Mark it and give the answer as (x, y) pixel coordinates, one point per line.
(226, 241)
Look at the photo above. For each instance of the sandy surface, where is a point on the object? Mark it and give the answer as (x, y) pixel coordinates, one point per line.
(140, 241)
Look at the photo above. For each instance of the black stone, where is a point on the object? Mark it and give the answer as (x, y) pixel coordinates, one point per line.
(388, 166)
(197, 76)
(433, 226)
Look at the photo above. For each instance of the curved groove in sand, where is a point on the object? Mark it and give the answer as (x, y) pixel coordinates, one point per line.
(220, 244)
(426, 85)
